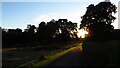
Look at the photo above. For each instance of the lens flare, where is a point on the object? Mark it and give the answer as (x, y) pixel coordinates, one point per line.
(82, 33)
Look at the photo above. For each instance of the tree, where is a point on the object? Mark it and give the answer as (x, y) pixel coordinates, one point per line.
(55, 31)
(40, 35)
(11, 37)
(29, 33)
(31, 29)
(46, 31)
(67, 29)
(98, 18)
(51, 30)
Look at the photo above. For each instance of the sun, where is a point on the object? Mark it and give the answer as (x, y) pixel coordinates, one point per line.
(82, 33)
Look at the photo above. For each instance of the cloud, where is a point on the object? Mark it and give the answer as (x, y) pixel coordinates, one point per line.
(71, 16)
(74, 16)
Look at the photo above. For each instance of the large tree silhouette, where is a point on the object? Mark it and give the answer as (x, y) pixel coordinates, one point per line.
(53, 31)
(98, 18)
(66, 27)
(46, 31)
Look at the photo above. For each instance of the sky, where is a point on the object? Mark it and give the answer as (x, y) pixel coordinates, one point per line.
(19, 14)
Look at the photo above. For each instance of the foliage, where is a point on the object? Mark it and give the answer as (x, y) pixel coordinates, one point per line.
(98, 18)
(55, 31)
(46, 33)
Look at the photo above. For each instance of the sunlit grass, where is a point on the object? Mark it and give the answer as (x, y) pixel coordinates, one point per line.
(50, 58)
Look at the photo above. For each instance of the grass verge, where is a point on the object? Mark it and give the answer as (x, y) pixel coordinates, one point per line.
(50, 58)
(102, 53)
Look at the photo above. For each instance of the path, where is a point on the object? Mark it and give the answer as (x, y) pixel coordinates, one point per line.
(71, 59)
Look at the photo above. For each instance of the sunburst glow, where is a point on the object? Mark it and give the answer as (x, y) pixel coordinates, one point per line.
(82, 33)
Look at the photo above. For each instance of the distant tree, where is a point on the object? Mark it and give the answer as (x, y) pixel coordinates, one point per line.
(41, 32)
(51, 30)
(29, 34)
(61, 30)
(18, 30)
(46, 31)
(19, 35)
(67, 29)
(98, 18)
(11, 37)
(41, 27)
(31, 29)
(4, 38)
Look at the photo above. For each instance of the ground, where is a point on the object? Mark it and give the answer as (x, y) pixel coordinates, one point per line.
(89, 54)
(13, 57)
(71, 59)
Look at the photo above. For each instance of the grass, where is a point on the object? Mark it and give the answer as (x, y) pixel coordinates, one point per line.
(102, 53)
(55, 54)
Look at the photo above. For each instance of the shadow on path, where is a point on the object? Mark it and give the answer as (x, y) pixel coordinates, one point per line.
(71, 59)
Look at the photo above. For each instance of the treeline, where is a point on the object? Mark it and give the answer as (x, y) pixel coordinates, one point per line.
(46, 33)
(97, 19)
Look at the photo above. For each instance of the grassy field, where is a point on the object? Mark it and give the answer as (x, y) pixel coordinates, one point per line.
(102, 53)
(53, 55)
(95, 53)
(29, 56)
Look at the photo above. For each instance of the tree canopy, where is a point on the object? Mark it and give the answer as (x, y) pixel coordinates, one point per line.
(54, 31)
(98, 18)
